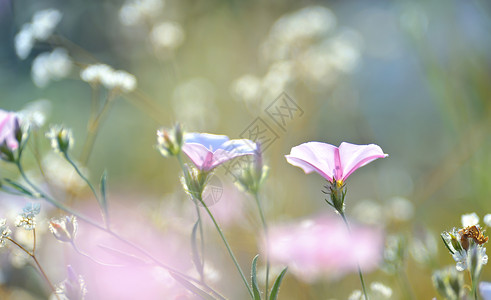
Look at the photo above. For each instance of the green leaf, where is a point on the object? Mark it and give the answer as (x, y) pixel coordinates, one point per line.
(446, 244)
(255, 287)
(276, 286)
(103, 199)
(19, 187)
(191, 287)
(194, 248)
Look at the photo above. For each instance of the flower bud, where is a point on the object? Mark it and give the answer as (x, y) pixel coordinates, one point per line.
(194, 181)
(64, 229)
(170, 143)
(251, 177)
(61, 138)
(449, 283)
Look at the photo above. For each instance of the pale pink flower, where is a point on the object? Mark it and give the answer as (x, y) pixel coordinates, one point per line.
(331, 162)
(9, 123)
(208, 151)
(485, 289)
(323, 248)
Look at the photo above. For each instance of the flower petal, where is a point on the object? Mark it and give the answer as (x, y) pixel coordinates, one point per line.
(314, 156)
(209, 141)
(355, 156)
(199, 155)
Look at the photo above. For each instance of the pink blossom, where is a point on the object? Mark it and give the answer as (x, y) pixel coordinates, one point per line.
(208, 151)
(9, 122)
(323, 248)
(331, 162)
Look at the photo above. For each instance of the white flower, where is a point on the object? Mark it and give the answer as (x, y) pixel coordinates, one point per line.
(384, 291)
(4, 231)
(97, 73)
(44, 23)
(469, 220)
(61, 138)
(24, 41)
(136, 11)
(487, 220)
(40, 28)
(35, 113)
(120, 80)
(26, 218)
(50, 66)
(167, 35)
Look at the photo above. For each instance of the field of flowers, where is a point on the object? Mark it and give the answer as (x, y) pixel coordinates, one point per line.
(164, 149)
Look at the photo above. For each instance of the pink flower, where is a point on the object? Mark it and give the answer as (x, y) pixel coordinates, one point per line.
(208, 151)
(323, 248)
(9, 123)
(331, 162)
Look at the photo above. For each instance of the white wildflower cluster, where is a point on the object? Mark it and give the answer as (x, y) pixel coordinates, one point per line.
(167, 36)
(111, 79)
(40, 28)
(138, 11)
(377, 291)
(466, 244)
(302, 46)
(26, 218)
(50, 66)
(4, 232)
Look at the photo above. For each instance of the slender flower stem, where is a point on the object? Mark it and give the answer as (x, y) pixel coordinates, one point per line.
(112, 233)
(34, 241)
(41, 270)
(91, 258)
(84, 178)
(266, 237)
(228, 247)
(357, 262)
(200, 226)
(93, 129)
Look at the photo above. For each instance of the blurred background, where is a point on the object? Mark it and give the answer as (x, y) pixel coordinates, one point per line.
(411, 76)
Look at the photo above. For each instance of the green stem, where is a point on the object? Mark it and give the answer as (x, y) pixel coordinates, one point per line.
(200, 225)
(112, 233)
(357, 263)
(266, 237)
(84, 178)
(227, 246)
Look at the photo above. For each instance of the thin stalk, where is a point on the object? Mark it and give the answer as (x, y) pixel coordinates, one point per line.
(200, 226)
(84, 178)
(222, 236)
(34, 241)
(41, 270)
(112, 233)
(266, 237)
(93, 130)
(357, 263)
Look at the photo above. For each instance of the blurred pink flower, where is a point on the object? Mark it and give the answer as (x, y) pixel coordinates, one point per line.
(331, 162)
(323, 247)
(9, 122)
(208, 151)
